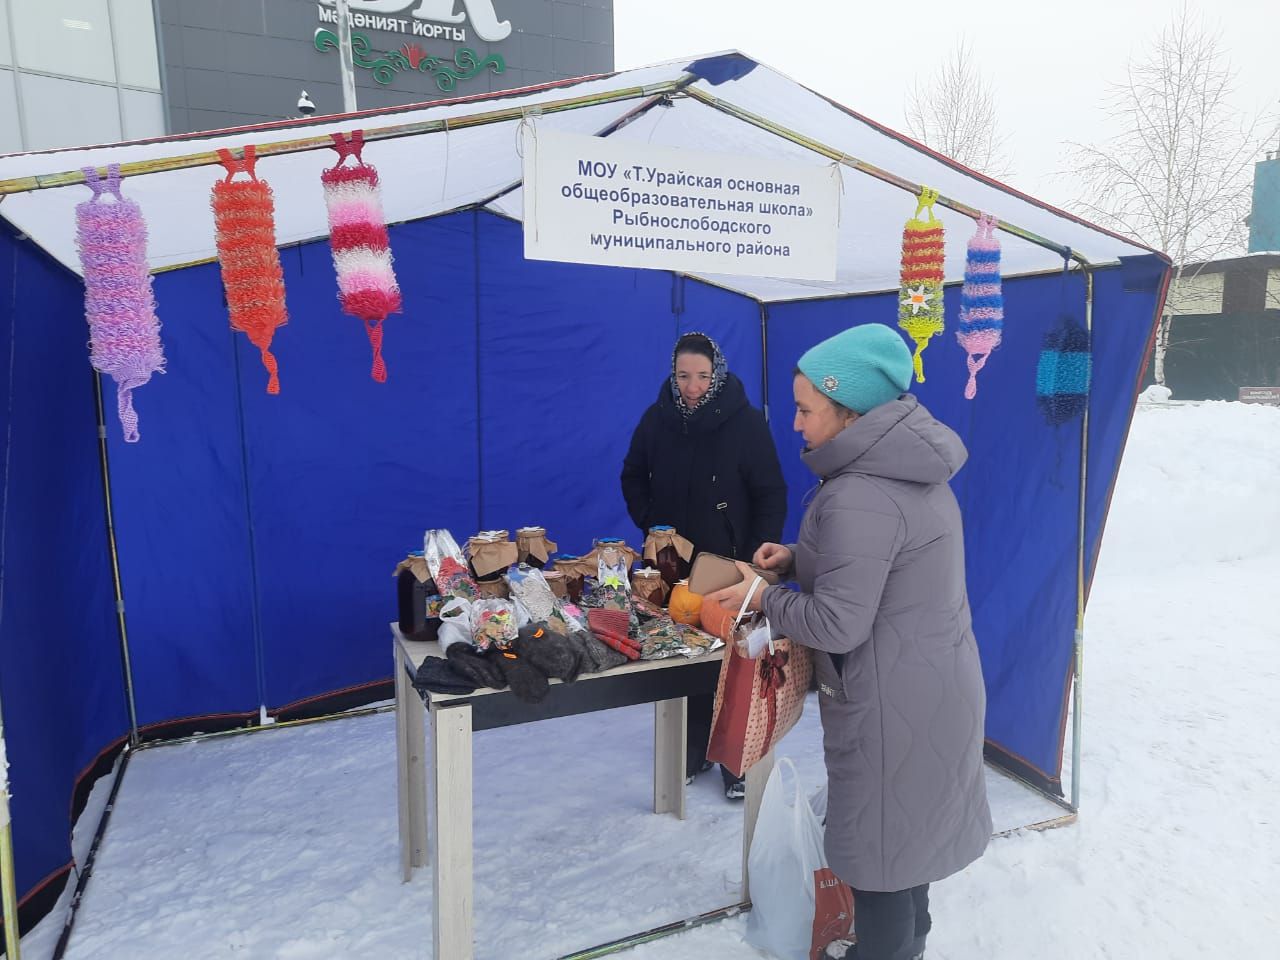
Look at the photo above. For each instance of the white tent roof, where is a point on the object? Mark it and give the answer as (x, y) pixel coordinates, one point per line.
(432, 173)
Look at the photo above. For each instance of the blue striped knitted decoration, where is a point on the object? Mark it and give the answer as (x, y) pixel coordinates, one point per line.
(1064, 371)
(981, 301)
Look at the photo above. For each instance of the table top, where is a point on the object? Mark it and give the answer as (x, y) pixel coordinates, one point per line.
(415, 651)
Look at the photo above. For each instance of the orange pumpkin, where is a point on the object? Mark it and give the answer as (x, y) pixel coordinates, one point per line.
(717, 621)
(685, 606)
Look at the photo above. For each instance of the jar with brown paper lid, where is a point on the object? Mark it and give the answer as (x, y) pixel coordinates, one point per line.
(571, 568)
(489, 554)
(647, 585)
(556, 581)
(534, 547)
(669, 553)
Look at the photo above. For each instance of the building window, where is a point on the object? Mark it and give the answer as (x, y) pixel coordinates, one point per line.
(67, 37)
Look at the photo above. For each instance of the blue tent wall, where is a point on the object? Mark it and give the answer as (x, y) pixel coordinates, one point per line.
(344, 472)
(257, 533)
(181, 518)
(60, 665)
(1019, 491)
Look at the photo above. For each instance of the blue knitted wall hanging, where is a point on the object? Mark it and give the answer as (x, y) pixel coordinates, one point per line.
(1064, 371)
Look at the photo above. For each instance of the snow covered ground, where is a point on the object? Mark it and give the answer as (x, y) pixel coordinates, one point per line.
(283, 844)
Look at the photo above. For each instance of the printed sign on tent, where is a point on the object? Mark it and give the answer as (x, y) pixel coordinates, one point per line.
(628, 204)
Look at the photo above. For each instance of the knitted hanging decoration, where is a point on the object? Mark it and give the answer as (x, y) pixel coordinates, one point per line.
(981, 301)
(920, 305)
(245, 225)
(124, 334)
(367, 285)
(1063, 374)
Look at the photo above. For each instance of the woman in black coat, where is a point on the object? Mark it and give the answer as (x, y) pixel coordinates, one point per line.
(702, 460)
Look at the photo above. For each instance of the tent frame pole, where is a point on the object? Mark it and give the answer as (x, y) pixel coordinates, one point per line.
(1077, 685)
(862, 166)
(117, 584)
(8, 882)
(207, 158)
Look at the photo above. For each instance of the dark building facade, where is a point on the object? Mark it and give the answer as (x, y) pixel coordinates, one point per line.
(231, 62)
(76, 72)
(1225, 333)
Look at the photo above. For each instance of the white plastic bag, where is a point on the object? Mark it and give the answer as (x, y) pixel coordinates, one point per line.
(786, 851)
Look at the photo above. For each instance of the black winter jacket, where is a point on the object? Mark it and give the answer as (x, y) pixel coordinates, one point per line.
(715, 476)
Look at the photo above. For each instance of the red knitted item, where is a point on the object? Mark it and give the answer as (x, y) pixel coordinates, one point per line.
(610, 627)
(244, 221)
(367, 286)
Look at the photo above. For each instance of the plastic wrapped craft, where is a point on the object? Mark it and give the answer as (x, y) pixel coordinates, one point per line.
(493, 624)
(447, 567)
(530, 589)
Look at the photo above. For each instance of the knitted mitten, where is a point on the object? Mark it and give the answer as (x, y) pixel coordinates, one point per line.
(596, 656)
(551, 653)
(437, 676)
(527, 682)
(467, 663)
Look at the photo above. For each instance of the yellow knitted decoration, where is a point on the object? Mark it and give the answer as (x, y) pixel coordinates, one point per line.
(920, 309)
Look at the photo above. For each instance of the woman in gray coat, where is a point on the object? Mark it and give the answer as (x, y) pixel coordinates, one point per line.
(883, 606)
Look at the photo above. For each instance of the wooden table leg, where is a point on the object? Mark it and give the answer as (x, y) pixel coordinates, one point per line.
(451, 819)
(670, 722)
(404, 692)
(416, 770)
(757, 777)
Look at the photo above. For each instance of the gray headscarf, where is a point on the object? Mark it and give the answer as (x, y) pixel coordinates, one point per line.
(719, 370)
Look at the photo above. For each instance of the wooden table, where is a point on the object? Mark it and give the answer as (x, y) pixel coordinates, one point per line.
(446, 806)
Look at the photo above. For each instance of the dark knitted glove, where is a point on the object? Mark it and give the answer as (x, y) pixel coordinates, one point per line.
(551, 653)
(527, 682)
(611, 626)
(466, 662)
(595, 655)
(436, 676)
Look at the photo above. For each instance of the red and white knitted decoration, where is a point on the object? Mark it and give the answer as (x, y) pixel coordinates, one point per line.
(367, 285)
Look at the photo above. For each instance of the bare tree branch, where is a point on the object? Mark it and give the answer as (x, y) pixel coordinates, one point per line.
(1178, 175)
(954, 112)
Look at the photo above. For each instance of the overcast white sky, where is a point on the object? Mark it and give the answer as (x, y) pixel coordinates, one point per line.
(1048, 63)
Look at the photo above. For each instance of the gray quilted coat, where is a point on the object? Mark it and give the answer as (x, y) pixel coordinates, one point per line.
(882, 603)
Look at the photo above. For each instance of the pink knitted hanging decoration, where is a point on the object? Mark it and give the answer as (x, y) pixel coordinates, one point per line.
(124, 334)
(367, 285)
(245, 225)
(981, 301)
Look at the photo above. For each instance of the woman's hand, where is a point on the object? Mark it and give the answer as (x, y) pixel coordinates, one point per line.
(731, 597)
(773, 556)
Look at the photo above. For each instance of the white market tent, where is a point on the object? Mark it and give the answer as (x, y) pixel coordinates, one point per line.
(209, 512)
(475, 163)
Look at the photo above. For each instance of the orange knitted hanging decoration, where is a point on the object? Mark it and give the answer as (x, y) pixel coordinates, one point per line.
(245, 229)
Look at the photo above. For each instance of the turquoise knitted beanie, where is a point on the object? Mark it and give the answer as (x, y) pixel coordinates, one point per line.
(861, 367)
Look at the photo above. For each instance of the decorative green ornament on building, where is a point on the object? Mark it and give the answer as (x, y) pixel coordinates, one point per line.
(465, 65)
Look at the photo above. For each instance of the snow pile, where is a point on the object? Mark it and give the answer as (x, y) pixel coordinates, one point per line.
(283, 844)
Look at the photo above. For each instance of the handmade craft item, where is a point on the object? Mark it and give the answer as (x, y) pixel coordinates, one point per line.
(981, 301)
(367, 286)
(124, 334)
(245, 233)
(920, 310)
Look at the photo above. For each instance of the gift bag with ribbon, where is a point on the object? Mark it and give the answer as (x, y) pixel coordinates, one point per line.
(760, 696)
